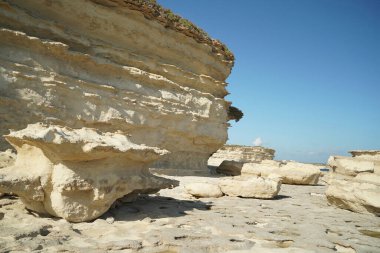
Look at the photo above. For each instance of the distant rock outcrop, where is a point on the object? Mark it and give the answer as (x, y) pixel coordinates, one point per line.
(289, 172)
(243, 154)
(354, 182)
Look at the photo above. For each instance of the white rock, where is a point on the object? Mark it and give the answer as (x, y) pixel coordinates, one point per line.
(250, 187)
(204, 190)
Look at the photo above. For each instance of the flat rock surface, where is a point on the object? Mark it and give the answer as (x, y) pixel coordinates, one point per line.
(298, 220)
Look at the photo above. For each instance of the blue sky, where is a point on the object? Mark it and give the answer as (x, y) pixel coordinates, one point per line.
(306, 75)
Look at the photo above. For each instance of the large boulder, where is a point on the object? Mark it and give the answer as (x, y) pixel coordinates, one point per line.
(118, 66)
(359, 194)
(243, 154)
(251, 187)
(289, 172)
(77, 174)
(354, 182)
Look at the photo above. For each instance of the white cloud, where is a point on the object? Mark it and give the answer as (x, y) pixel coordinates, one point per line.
(257, 142)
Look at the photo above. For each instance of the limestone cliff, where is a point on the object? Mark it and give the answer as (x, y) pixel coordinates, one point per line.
(129, 67)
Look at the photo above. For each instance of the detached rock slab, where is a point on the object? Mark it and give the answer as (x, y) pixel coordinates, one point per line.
(251, 187)
(354, 182)
(77, 174)
(359, 194)
(204, 190)
(289, 172)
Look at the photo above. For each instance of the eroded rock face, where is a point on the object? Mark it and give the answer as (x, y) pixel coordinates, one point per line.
(354, 182)
(77, 174)
(115, 67)
(244, 154)
(251, 187)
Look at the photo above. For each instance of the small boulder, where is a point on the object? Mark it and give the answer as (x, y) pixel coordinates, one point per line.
(251, 187)
(204, 190)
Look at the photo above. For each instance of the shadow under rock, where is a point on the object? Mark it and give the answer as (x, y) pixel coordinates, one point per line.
(154, 207)
(278, 197)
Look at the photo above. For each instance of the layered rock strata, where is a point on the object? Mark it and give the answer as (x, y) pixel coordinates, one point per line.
(244, 154)
(372, 155)
(290, 172)
(117, 66)
(354, 182)
(77, 174)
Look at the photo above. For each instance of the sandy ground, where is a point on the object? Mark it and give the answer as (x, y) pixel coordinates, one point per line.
(298, 220)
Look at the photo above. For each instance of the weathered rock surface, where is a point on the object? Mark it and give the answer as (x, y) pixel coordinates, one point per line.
(117, 66)
(204, 190)
(290, 172)
(7, 158)
(354, 182)
(244, 154)
(77, 174)
(251, 187)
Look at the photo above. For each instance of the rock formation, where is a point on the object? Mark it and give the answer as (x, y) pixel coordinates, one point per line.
(77, 174)
(130, 67)
(290, 172)
(354, 182)
(244, 154)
